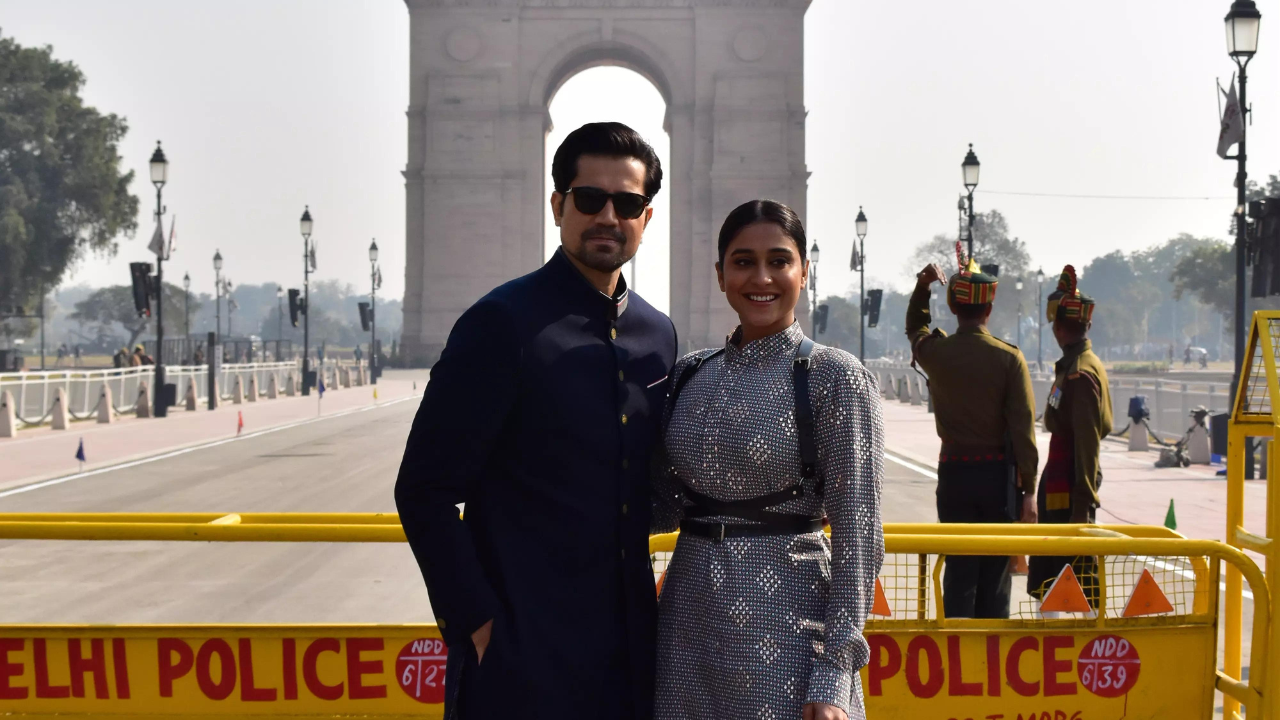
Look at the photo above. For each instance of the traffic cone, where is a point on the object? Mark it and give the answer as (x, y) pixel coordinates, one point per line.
(239, 422)
(1170, 519)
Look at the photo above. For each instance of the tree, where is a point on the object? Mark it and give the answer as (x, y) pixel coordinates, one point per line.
(62, 194)
(1209, 273)
(109, 306)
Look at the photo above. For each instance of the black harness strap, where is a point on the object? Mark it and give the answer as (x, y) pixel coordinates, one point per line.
(755, 509)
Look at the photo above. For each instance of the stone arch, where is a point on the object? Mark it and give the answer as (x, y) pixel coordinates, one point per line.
(483, 74)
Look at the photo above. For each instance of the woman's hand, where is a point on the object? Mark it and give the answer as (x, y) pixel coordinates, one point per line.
(823, 711)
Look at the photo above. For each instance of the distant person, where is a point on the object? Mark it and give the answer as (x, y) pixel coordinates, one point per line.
(121, 358)
(140, 354)
(540, 415)
(78, 361)
(985, 416)
(359, 354)
(1186, 357)
(198, 357)
(62, 355)
(1078, 416)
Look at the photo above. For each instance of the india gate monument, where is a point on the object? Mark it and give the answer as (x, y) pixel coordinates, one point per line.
(483, 74)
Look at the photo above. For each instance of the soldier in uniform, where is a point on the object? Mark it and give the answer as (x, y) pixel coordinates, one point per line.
(1078, 414)
(985, 416)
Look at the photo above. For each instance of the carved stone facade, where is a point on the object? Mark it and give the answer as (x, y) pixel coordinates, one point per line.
(483, 73)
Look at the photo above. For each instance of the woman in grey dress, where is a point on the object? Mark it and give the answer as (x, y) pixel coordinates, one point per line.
(761, 615)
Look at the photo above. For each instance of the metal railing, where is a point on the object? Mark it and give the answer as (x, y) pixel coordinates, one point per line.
(34, 392)
(1170, 401)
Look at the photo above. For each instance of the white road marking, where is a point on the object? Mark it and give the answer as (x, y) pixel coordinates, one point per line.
(193, 448)
(927, 472)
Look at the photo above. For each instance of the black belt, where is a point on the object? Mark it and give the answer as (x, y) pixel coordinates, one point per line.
(767, 522)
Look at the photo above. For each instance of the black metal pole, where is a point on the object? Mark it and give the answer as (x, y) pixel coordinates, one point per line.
(306, 314)
(42, 326)
(217, 307)
(160, 408)
(971, 223)
(186, 321)
(1241, 240)
(862, 302)
(373, 323)
(1039, 326)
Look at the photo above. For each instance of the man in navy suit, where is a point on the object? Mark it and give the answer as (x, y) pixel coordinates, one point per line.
(540, 416)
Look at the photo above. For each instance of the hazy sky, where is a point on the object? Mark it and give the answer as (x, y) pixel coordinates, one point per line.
(267, 105)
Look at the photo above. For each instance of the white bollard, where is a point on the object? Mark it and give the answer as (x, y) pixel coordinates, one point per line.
(291, 385)
(915, 390)
(237, 392)
(273, 387)
(345, 376)
(8, 420)
(904, 394)
(60, 419)
(1138, 437)
(192, 396)
(104, 406)
(252, 393)
(1198, 445)
(143, 406)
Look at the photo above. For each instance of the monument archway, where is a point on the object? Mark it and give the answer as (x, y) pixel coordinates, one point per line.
(482, 75)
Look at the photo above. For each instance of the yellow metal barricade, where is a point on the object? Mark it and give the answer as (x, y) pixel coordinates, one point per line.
(1254, 415)
(923, 665)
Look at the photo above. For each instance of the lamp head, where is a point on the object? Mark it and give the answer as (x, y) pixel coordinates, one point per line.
(217, 260)
(305, 223)
(971, 167)
(861, 224)
(373, 251)
(186, 281)
(159, 167)
(1242, 23)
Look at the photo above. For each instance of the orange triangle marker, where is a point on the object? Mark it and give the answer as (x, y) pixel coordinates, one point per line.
(1065, 595)
(881, 605)
(1147, 598)
(662, 579)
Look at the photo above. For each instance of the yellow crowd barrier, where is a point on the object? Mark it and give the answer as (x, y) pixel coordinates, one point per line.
(923, 664)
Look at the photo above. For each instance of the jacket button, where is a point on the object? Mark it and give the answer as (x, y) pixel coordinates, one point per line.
(440, 623)
(624, 419)
(613, 333)
(625, 463)
(620, 376)
(624, 508)
(624, 554)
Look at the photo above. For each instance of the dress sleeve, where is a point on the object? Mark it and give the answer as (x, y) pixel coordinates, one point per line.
(1086, 399)
(850, 437)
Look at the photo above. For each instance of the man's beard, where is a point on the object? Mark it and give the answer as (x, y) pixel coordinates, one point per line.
(600, 260)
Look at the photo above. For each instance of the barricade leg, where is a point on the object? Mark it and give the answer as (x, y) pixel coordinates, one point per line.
(252, 393)
(143, 406)
(237, 392)
(105, 407)
(61, 419)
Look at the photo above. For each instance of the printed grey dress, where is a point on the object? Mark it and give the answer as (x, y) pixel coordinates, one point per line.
(755, 627)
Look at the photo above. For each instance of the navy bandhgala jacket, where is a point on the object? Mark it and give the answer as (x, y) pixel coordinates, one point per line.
(540, 416)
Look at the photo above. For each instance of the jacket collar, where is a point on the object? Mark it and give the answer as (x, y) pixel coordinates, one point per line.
(976, 330)
(1071, 352)
(567, 277)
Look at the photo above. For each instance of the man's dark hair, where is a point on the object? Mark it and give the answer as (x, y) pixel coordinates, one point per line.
(750, 213)
(606, 139)
(971, 312)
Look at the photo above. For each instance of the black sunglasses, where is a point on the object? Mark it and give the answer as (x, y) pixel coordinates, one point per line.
(591, 200)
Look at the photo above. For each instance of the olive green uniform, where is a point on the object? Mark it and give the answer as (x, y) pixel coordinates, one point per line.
(1078, 415)
(983, 408)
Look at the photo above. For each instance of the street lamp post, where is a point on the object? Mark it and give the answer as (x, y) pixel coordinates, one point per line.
(217, 297)
(373, 314)
(1017, 285)
(159, 175)
(860, 264)
(813, 287)
(305, 226)
(970, 166)
(279, 322)
(186, 311)
(1242, 42)
(1039, 320)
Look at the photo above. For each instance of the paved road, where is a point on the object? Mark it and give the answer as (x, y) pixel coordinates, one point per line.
(347, 463)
